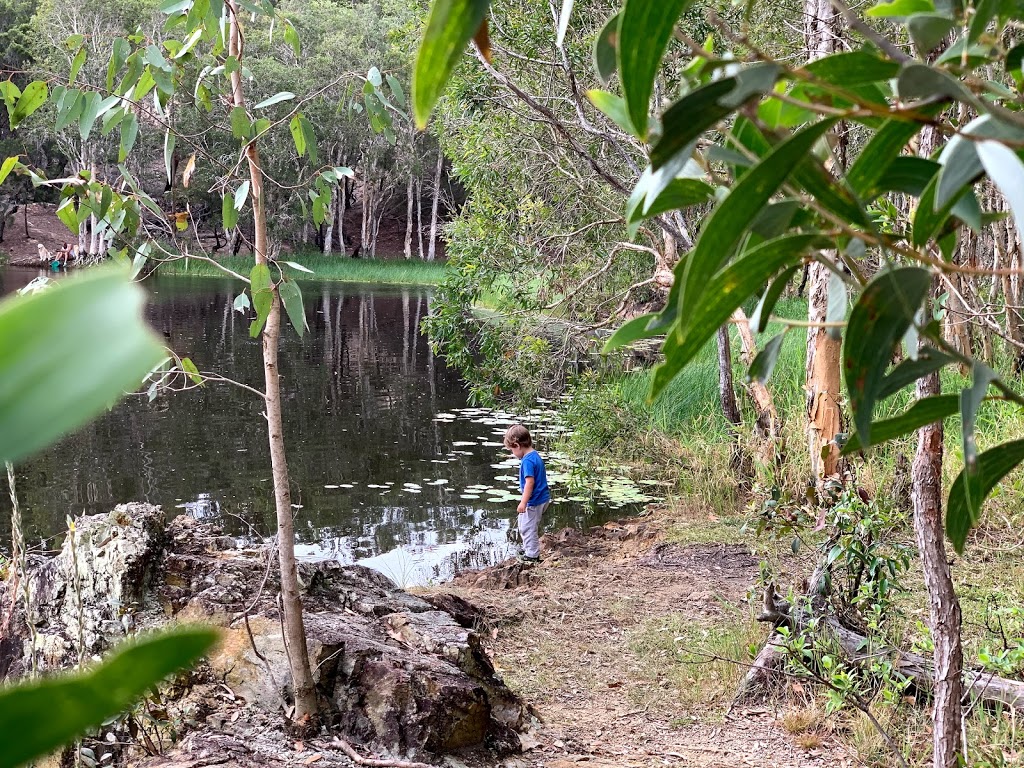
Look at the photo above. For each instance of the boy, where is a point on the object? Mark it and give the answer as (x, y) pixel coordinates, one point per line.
(533, 482)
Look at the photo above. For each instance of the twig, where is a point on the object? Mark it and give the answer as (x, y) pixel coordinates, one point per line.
(345, 747)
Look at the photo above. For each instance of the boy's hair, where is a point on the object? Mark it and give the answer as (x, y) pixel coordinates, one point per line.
(518, 436)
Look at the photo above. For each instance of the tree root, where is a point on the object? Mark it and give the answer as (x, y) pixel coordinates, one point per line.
(344, 746)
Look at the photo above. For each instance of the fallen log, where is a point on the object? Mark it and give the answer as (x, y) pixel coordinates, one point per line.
(979, 685)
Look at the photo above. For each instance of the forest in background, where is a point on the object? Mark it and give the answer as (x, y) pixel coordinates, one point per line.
(392, 203)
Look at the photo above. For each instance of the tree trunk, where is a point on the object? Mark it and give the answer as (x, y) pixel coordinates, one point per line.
(294, 630)
(432, 249)
(329, 222)
(767, 416)
(419, 217)
(342, 205)
(943, 604)
(824, 416)
(996, 692)
(408, 217)
(738, 462)
(726, 390)
(365, 228)
(822, 29)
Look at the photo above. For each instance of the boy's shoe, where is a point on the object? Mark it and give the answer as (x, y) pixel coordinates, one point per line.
(528, 560)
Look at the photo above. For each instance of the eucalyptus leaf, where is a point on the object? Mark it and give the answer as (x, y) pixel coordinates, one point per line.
(884, 310)
(725, 227)
(277, 98)
(971, 399)
(764, 363)
(612, 106)
(723, 293)
(68, 354)
(963, 508)
(31, 99)
(1007, 172)
(838, 300)
(261, 287)
(241, 195)
(191, 371)
(759, 318)
(630, 331)
(39, 716)
(291, 297)
(927, 30)
(605, 45)
(450, 26)
(645, 28)
(925, 411)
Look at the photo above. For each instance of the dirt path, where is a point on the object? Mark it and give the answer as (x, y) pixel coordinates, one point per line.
(43, 227)
(587, 637)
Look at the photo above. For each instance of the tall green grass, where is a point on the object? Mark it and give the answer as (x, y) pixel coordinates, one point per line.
(692, 400)
(688, 410)
(325, 268)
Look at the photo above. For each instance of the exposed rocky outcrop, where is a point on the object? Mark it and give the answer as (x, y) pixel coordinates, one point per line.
(395, 671)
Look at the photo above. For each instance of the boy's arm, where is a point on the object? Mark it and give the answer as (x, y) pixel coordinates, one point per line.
(527, 493)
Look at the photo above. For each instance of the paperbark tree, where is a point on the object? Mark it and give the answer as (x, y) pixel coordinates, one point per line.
(822, 29)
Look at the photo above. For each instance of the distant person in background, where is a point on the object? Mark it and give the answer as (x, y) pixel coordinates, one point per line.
(533, 482)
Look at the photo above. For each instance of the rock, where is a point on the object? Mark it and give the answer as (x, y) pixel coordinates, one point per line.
(91, 593)
(394, 671)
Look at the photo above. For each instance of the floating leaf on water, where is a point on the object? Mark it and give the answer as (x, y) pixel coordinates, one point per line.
(469, 496)
(331, 486)
(410, 485)
(347, 485)
(412, 490)
(463, 442)
(374, 485)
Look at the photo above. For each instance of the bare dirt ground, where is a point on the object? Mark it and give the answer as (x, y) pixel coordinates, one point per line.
(43, 227)
(563, 635)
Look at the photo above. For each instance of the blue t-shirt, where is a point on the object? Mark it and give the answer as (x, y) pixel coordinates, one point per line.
(532, 465)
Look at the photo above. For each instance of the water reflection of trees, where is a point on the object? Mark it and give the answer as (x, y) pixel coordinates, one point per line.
(362, 389)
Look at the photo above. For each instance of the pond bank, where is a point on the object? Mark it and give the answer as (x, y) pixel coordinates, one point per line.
(595, 640)
(397, 673)
(340, 269)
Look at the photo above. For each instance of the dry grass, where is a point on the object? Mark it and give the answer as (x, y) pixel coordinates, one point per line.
(803, 720)
(700, 666)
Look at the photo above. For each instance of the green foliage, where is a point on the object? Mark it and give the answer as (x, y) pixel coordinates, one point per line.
(759, 158)
(38, 717)
(451, 25)
(865, 561)
(644, 31)
(58, 365)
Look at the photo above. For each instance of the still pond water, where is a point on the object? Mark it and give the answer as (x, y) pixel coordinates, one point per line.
(390, 466)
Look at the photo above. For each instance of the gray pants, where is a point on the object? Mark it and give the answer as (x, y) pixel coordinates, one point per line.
(529, 527)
